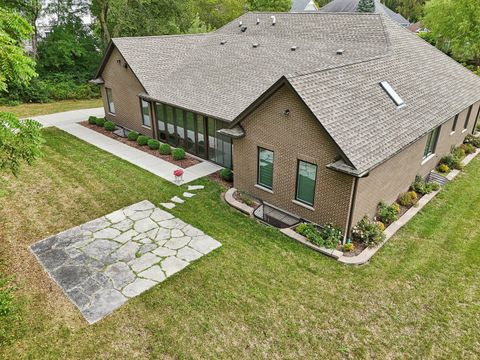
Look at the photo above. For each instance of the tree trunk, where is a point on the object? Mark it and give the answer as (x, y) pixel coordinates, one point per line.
(104, 22)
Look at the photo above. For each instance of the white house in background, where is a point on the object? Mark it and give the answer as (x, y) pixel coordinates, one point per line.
(304, 5)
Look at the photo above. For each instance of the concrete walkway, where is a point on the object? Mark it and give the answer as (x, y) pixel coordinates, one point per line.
(68, 122)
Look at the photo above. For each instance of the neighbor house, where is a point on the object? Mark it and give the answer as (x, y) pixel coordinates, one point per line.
(319, 115)
(304, 5)
(346, 6)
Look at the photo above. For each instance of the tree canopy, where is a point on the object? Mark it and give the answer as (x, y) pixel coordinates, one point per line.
(366, 6)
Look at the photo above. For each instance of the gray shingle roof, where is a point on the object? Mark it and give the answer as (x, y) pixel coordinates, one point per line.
(195, 72)
(339, 6)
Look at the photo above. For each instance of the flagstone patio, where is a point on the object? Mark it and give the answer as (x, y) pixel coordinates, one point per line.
(101, 264)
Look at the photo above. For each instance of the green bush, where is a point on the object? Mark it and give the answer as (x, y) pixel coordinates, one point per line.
(178, 154)
(92, 120)
(408, 198)
(153, 144)
(443, 168)
(165, 149)
(368, 232)
(226, 174)
(100, 122)
(142, 140)
(422, 187)
(470, 139)
(109, 125)
(387, 214)
(467, 148)
(432, 186)
(459, 152)
(133, 136)
(328, 237)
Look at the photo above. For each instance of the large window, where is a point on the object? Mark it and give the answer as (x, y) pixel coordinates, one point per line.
(146, 118)
(111, 105)
(306, 179)
(431, 142)
(265, 168)
(160, 114)
(465, 126)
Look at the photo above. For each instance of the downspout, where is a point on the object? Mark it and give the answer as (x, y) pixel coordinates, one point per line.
(352, 208)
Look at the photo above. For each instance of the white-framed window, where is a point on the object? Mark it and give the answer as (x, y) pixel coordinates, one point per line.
(146, 118)
(431, 142)
(111, 104)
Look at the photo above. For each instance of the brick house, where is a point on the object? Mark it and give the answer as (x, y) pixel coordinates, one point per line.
(319, 115)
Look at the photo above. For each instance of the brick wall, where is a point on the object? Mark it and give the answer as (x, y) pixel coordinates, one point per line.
(298, 136)
(125, 89)
(393, 177)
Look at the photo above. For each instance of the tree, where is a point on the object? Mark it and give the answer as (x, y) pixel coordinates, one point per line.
(366, 6)
(269, 5)
(15, 66)
(217, 13)
(411, 9)
(455, 25)
(19, 142)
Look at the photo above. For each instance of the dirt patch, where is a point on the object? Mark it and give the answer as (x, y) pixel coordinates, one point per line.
(185, 163)
(219, 180)
(246, 199)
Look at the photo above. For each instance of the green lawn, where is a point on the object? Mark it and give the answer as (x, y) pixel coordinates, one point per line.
(260, 295)
(26, 110)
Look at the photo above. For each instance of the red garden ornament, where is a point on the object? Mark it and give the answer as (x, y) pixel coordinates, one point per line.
(178, 175)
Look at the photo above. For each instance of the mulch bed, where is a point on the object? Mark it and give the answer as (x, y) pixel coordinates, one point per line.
(185, 163)
(238, 196)
(219, 180)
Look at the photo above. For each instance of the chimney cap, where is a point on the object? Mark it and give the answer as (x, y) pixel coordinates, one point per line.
(340, 51)
(274, 20)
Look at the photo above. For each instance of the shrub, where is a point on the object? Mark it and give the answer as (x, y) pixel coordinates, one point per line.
(109, 125)
(467, 148)
(133, 136)
(348, 247)
(165, 149)
(459, 152)
(470, 139)
(387, 214)
(408, 198)
(448, 160)
(142, 140)
(432, 186)
(92, 120)
(328, 237)
(443, 168)
(226, 174)
(419, 185)
(178, 154)
(368, 232)
(246, 199)
(100, 122)
(153, 144)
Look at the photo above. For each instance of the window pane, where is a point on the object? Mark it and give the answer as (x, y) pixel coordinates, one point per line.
(455, 123)
(468, 117)
(431, 142)
(190, 125)
(307, 174)
(111, 105)
(201, 135)
(146, 114)
(180, 127)
(170, 121)
(212, 155)
(265, 168)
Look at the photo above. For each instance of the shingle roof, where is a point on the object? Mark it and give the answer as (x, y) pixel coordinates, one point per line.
(339, 6)
(195, 72)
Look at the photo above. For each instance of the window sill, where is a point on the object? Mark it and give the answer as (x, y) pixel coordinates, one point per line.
(110, 113)
(464, 130)
(453, 132)
(428, 158)
(263, 188)
(147, 127)
(299, 203)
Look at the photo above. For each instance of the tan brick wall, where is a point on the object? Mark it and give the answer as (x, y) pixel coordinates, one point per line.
(125, 89)
(298, 136)
(393, 177)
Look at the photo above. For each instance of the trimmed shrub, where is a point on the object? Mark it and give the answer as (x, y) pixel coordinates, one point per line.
(368, 232)
(178, 154)
(387, 214)
(100, 122)
(432, 186)
(153, 144)
(133, 136)
(408, 198)
(470, 139)
(165, 149)
(419, 185)
(467, 148)
(226, 174)
(459, 152)
(443, 168)
(109, 125)
(142, 140)
(92, 120)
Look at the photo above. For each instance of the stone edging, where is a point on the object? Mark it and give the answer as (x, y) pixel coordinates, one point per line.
(237, 204)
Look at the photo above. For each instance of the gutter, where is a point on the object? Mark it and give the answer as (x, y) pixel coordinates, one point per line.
(352, 207)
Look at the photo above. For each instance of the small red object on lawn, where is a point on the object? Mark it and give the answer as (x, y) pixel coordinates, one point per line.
(178, 175)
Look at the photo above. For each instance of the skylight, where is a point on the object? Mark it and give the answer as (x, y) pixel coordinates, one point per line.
(392, 93)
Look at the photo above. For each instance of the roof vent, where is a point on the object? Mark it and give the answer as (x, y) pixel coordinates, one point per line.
(240, 23)
(223, 42)
(255, 45)
(258, 20)
(274, 20)
(392, 93)
(243, 28)
(293, 48)
(340, 51)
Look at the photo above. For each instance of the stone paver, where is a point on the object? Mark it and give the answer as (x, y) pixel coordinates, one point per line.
(195, 187)
(177, 200)
(168, 205)
(188, 195)
(101, 264)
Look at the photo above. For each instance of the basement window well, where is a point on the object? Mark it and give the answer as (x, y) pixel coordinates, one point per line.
(392, 93)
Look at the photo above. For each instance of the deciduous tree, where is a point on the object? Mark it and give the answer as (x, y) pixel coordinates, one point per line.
(366, 6)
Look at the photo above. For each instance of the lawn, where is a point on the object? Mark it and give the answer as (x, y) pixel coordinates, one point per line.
(260, 295)
(26, 110)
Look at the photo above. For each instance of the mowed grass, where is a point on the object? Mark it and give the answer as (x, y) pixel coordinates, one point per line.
(260, 295)
(26, 110)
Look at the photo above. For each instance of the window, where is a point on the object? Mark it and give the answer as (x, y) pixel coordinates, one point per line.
(159, 113)
(265, 168)
(431, 142)
(146, 119)
(306, 179)
(454, 126)
(111, 105)
(392, 93)
(468, 117)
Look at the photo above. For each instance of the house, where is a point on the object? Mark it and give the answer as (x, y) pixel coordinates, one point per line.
(342, 6)
(320, 115)
(304, 5)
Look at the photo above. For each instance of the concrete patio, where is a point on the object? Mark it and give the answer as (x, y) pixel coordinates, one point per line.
(101, 264)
